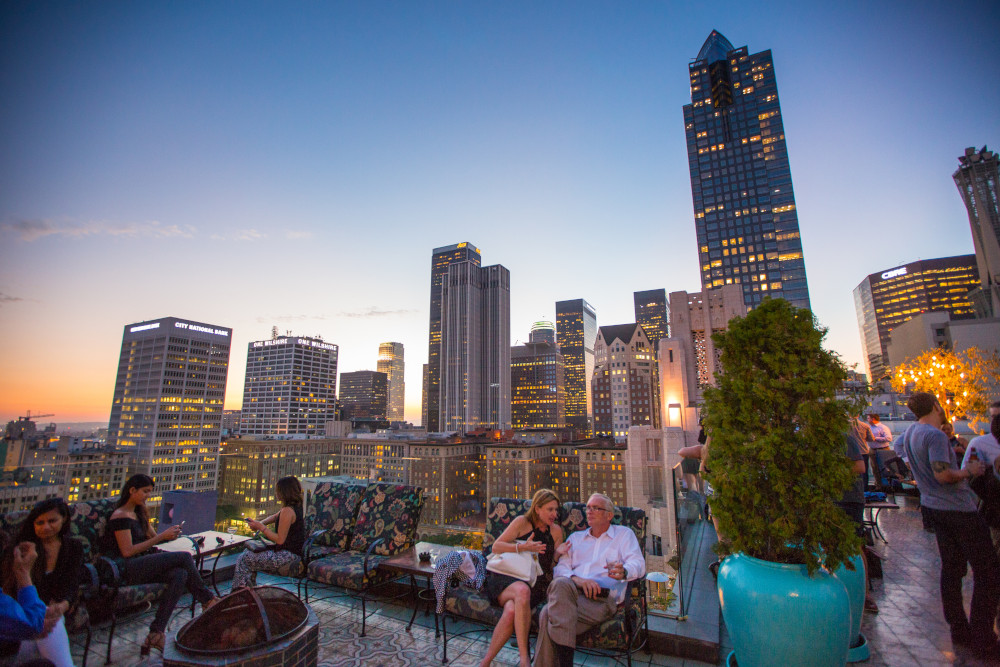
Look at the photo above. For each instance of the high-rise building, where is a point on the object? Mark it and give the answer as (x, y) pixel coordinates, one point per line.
(652, 314)
(886, 299)
(441, 259)
(624, 381)
(744, 204)
(425, 375)
(290, 388)
(576, 332)
(167, 405)
(475, 348)
(538, 381)
(364, 394)
(977, 180)
(390, 362)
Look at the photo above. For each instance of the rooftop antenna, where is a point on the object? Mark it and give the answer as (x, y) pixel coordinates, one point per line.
(274, 332)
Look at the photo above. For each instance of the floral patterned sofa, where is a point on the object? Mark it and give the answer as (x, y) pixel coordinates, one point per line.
(102, 597)
(359, 527)
(620, 634)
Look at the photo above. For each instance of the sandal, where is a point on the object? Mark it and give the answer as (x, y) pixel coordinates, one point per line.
(153, 640)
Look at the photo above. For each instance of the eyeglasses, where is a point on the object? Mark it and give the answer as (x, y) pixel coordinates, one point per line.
(591, 508)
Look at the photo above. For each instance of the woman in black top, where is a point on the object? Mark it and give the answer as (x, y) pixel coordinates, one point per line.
(538, 532)
(288, 538)
(130, 535)
(56, 574)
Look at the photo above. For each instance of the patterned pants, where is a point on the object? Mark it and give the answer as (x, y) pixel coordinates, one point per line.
(250, 563)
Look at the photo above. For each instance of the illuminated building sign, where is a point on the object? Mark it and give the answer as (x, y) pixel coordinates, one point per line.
(197, 327)
(144, 327)
(269, 343)
(316, 343)
(901, 271)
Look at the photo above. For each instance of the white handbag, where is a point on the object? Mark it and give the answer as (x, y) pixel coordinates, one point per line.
(523, 566)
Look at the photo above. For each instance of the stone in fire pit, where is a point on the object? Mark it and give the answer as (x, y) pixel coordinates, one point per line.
(256, 627)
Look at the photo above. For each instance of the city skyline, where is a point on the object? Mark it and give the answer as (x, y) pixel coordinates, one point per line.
(268, 153)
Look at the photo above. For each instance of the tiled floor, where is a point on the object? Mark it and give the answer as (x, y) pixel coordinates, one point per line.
(909, 630)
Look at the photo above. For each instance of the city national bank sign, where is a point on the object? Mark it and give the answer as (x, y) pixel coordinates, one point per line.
(901, 271)
(190, 326)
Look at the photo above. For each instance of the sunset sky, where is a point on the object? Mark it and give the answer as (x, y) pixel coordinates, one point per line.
(251, 164)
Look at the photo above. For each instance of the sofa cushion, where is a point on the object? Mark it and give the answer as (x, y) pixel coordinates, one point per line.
(390, 512)
(347, 570)
(502, 512)
(333, 510)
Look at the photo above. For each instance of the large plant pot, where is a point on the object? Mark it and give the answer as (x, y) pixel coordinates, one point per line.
(777, 614)
(854, 582)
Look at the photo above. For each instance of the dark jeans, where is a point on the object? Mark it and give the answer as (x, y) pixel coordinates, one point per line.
(177, 571)
(963, 537)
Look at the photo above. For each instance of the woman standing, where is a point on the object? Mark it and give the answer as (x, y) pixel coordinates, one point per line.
(288, 538)
(543, 536)
(130, 536)
(56, 574)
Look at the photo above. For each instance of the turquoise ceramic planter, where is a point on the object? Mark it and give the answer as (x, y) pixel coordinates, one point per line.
(854, 582)
(777, 614)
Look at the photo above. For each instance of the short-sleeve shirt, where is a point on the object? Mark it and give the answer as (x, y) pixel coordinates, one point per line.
(925, 445)
(986, 447)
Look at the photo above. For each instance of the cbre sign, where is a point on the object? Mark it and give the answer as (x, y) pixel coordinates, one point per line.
(901, 271)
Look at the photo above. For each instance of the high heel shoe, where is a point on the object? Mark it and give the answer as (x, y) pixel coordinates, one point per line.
(153, 640)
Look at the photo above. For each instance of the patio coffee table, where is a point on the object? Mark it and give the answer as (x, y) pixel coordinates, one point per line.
(409, 564)
(203, 545)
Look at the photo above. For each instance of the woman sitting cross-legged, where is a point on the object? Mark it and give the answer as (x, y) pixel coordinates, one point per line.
(540, 529)
(288, 536)
(130, 536)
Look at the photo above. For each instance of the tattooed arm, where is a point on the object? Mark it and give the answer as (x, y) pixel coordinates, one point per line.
(945, 474)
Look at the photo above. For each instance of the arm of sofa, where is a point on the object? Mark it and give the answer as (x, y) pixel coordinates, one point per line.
(370, 551)
(308, 545)
(635, 607)
(108, 573)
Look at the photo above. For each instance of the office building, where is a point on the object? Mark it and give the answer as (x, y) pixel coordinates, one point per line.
(85, 470)
(886, 299)
(441, 259)
(231, 422)
(364, 394)
(977, 179)
(474, 376)
(576, 333)
(603, 470)
(450, 473)
(744, 205)
(518, 469)
(653, 314)
(166, 411)
(290, 388)
(930, 331)
(538, 381)
(624, 381)
(390, 362)
(425, 381)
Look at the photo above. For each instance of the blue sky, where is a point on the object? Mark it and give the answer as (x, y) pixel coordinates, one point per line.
(252, 164)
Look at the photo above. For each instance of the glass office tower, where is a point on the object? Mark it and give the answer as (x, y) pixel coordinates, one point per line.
(576, 333)
(977, 178)
(744, 205)
(653, 314)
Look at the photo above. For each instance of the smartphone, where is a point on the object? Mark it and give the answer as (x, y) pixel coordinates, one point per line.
(181, 525)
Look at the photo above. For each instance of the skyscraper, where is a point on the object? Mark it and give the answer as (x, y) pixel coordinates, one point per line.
(441, 259)
(889, 298)
(167, 405)
(290, 387)
(390, 362)
(576, 332)
(744, 204)
(977, 179)
(364, 394)
(624, 381)
(538, 381)
(474, 389)
(652, 314)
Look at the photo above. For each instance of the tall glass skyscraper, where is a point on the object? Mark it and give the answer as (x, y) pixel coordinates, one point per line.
(977, 178)
(576, 333)
(744, 205)
(653, 314)
(390, 362)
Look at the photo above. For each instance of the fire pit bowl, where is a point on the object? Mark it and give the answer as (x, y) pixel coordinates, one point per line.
(251, 626)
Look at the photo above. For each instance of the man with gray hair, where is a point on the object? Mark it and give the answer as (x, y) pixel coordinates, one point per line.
(589, 582)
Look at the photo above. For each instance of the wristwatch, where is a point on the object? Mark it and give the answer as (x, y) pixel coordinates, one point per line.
(624, 573)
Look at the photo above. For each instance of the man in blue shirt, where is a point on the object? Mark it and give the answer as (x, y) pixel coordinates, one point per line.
(962, 535)
(21, 618)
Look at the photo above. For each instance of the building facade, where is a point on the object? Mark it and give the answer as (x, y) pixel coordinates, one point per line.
(474, 383)
(364, 394)
(441, 259)
(653, 314)
(85, 470)
(166, 411)
(624, 383)
(886, 299)
(576, 333)
(741, 183)
(390, 362)
(538, 381)
(290, 387)
(977, 179)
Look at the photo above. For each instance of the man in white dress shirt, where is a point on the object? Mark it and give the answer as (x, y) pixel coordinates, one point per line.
(589, 582)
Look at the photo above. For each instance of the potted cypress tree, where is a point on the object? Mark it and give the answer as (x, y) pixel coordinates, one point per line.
(777, 463)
